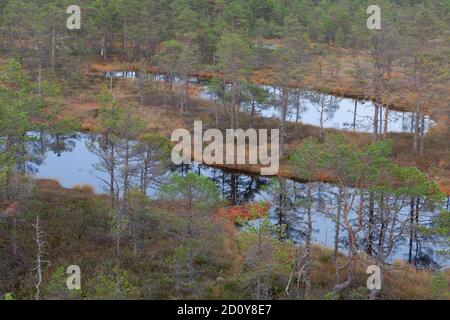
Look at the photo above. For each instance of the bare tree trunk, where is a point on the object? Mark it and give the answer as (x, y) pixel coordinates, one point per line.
(184, 96)
(217, 113)
(53, 49)
(40, 243)
(238, 110)
(112, 177)
(375, 122)
(141, 84)
(297, 113)
(40, 80)
(117, 289)
(308, 257)
(377, 109)
(103, 47)
(418, 110)
(126, 176)
(411, 232)
(233, 105)
(341, 286)
(258, 267)
(111, 88)
(422, 136)
(284, 110)
(416, 129)
(252, 113)
(126, 192)
(380, 125)
(383, 225)
(319, 70)
(338, 221)
(351, 262)
(417, 220)
(370, 225)
(322, 111)
(386, 121)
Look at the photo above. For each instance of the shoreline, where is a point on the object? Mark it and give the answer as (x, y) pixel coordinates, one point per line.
(284, 171)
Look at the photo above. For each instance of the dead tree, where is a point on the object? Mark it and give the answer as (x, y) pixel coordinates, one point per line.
(40, 245)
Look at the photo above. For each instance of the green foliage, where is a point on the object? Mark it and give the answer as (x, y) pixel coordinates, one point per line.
(105, 99)
(176, 35)
(360, 293)
(370, 166)
(176, 57)
(234, 56)
(265, 258)
(56, 286)
(255, 95)
(439, 284)
(144, 23)
(8, 297)
(157, 143)
(193, 190)
(309, 159)
(112, 285)
(118, 122)
(331, 296)
(65, 126)
(440, 231)
(18, 107)
(16, 97)
(117, 222)
(181, 268)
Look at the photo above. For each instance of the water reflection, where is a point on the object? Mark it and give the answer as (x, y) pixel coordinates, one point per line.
(313, 108)
(40, 143)
(68, 160)
(236, 188)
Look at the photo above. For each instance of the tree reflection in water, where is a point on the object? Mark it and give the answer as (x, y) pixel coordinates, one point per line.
(240, 188)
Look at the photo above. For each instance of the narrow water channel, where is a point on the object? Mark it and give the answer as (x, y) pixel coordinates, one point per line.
(69, 161)
(315, 108)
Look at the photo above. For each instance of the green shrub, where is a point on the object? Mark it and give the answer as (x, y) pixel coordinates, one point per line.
(8, 296)
(439, 284)
(359, 293)
(331, 296)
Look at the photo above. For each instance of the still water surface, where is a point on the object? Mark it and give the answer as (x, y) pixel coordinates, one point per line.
(335, 112)
(71, 163)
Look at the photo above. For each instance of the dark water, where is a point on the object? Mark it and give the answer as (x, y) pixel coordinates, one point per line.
(335, 112)
(68, 160)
